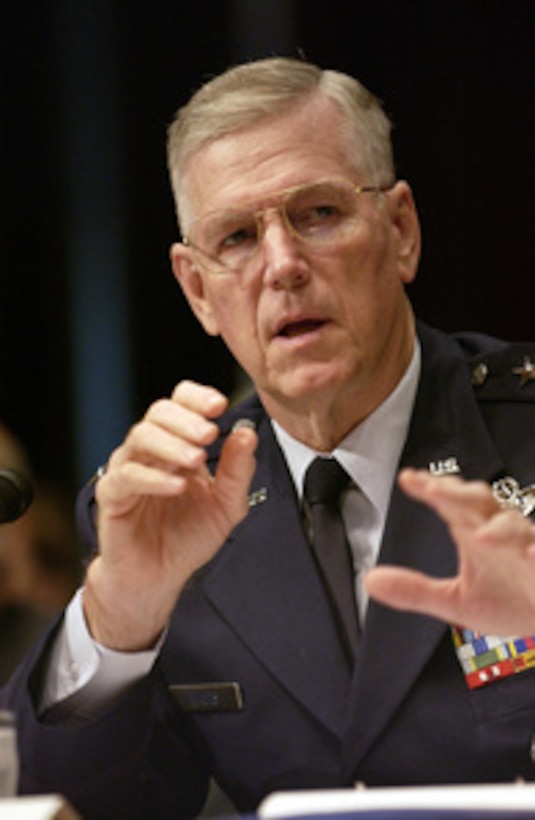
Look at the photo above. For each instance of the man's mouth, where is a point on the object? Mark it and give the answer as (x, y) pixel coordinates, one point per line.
(300, 328)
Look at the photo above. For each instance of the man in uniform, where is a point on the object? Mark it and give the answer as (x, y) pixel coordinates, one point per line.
(212, 635)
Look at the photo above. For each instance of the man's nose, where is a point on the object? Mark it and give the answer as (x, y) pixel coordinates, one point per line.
(284, 263)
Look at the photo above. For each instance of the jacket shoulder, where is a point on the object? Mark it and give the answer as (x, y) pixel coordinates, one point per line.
(499, 370)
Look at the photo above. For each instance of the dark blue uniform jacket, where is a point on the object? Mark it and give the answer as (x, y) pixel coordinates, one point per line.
(279, 708)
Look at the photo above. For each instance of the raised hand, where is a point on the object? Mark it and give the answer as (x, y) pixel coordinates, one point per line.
(494, 590)
(162, 515)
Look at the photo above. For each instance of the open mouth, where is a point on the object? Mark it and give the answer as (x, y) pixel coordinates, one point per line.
(300, 328)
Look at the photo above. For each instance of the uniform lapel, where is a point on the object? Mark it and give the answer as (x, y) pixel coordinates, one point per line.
(396, 646)
(264, 583)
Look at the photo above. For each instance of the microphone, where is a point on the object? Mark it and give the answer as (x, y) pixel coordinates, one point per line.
(16, 495)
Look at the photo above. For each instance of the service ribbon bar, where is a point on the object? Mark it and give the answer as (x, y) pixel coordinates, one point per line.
(486, 658)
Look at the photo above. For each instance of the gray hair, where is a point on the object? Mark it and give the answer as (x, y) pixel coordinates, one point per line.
(245, 94)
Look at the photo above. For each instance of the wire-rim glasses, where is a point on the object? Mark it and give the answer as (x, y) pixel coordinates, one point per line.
(319, 214)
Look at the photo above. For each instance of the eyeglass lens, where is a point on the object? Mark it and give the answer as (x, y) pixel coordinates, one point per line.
(320, 213)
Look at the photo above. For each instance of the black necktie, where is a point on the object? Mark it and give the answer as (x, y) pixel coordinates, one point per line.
(324, 481)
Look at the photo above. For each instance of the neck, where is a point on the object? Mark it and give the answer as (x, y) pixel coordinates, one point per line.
(321, 421)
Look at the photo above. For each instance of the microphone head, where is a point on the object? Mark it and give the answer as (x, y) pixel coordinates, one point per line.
(16, 495)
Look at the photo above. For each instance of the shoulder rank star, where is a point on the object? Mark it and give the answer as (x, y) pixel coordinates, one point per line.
(526, 371)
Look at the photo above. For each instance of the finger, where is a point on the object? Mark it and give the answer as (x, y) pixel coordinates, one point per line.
(118, 489)
(169, 435)
(174, 432)
(460, 503)
(181, 420)
(509, 529)
(151, 444)
(235, 471)
(409, 590)
(530, 552)
(200, 398)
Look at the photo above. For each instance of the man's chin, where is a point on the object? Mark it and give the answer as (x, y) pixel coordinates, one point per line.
(303, 384)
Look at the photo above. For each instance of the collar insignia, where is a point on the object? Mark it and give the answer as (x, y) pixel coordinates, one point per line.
(526, 371)
(446, 466)
(258, 497)
(509, 495)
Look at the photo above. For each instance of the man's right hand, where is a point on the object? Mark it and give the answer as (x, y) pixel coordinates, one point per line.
(162, 515)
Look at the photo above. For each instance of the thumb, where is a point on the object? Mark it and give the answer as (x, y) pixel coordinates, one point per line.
(410, 590)
(235, 472)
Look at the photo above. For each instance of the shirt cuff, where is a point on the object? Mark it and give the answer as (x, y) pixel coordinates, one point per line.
(86, 673)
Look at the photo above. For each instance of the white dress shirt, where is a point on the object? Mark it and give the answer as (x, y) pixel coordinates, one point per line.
(90, 675)
(370, 455)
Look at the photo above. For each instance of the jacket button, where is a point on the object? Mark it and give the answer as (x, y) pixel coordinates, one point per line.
(479, 374)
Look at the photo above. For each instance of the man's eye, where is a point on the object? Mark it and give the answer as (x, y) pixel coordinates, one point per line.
(325, 211)
(310, 218)
(239, 236)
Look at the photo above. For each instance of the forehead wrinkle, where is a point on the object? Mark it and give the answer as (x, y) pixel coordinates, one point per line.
(259, 204)
(274, 147)
(266, 188)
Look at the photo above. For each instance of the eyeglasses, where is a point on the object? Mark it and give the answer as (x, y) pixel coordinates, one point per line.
(321, 215)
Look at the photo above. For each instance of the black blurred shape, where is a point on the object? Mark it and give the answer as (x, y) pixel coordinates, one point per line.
(16, 495)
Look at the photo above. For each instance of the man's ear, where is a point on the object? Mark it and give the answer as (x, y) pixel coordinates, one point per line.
(191, 280)
(404, 217)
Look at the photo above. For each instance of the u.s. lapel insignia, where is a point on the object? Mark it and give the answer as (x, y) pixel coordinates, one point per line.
(445, 466)
(509, 495)
(526, 371)
(486, 658)
(258, 497)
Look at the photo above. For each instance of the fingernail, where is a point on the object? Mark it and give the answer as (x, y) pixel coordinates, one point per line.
(248, 424)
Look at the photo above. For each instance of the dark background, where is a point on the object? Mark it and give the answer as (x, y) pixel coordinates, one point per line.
(92, 324)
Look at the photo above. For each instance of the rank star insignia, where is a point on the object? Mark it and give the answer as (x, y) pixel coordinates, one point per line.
(526, 371)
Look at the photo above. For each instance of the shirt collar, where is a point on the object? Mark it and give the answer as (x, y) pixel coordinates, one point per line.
(370, 452)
